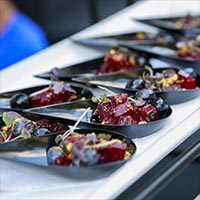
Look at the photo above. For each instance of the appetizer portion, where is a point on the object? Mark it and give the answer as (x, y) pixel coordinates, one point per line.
(88, 149)
(18, 127)
(189, 50)
(161, 37)
(165, 80)
(143, 36)
(118, 59)
(134, 117)
(188, 21)
(120, 109)
(139, 37)
(56, 92)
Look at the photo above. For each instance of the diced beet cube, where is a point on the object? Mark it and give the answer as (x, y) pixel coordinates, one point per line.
(103, 155)
(121, 109)
(63, 160)
(104, 110)
(117, 151)
(149, 113)
(189, 83)
(64, 96)
(119, 61)
(113, 153)
(118, 99)
(43, 98)
(135, 116)
(58, 93)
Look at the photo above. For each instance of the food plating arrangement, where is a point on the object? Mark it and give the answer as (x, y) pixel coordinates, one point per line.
(90, 115)
(18, 127)
(142, 107)
(87, 149)
(166, 80)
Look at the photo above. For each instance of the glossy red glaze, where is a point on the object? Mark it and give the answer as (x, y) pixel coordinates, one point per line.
(188, 82)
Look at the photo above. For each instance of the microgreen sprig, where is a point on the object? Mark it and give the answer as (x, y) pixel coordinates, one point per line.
(136, 102)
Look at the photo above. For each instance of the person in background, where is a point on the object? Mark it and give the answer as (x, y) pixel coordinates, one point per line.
(20, 37)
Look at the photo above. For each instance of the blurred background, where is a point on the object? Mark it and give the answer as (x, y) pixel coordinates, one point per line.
(62, 18)
(20, 35)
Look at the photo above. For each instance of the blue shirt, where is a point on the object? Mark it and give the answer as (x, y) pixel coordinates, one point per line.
(20, 38)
